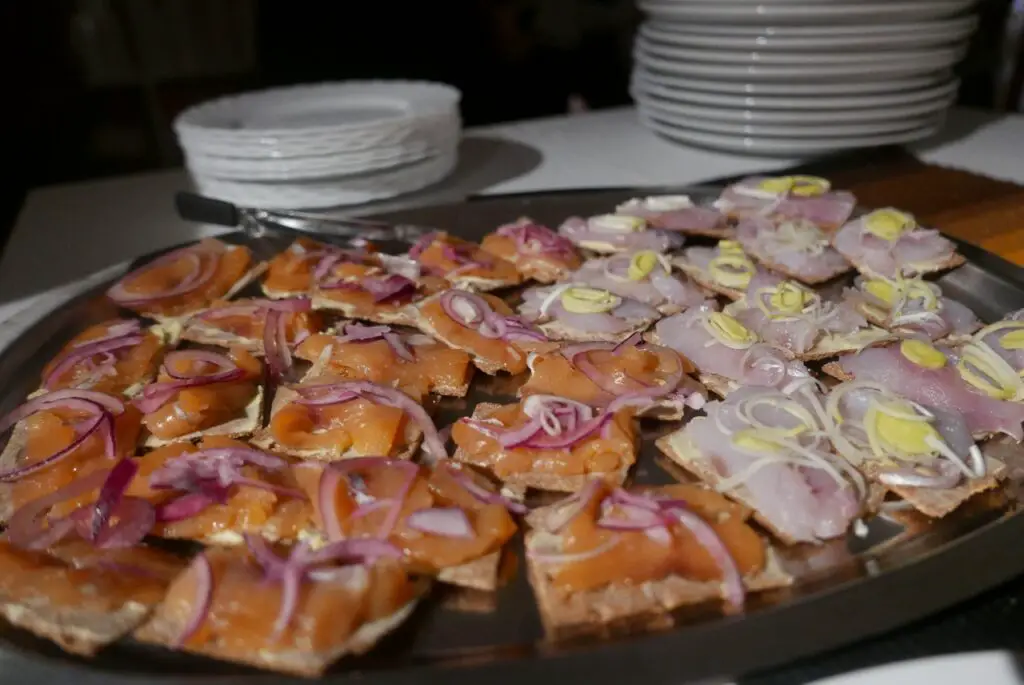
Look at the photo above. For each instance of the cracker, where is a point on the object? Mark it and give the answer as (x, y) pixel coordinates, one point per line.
(264, 439)
(636, 606)
(78, 631)
(481, 285)
(936, 503)
(833, 345)
(198, 331)
(242, 427)
(793, 275)
(488, 366)
(478, 574)
(703, 279)
(556, 330)
(164, 631)
(177, 322)
(951, 262)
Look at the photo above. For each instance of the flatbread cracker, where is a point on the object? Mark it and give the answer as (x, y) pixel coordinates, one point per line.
(402, 316)
(704, 279)
(264, 439)
(954, 260)
(177, 322)
(936, 503)
(556, 330)
(479, 574)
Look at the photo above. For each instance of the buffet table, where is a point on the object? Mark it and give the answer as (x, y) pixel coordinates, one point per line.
(66, 233)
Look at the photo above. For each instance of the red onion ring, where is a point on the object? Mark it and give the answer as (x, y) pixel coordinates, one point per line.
(355, 332)
(111, 492)
(421, 244)
(732, 581)
(575, 504)
(481, 493)
(198, 275)
(448, 522)
(24, 529)
(539, 439)
(531, 238)
(479, 316)
(203, 598)
(335, 393)
(331, 479)
(86, 351)
(156, 395)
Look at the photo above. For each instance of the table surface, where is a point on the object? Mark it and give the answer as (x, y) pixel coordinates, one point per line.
(67, 232)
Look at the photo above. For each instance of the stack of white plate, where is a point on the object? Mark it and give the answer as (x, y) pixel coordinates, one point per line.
(322, 145)
(795, 77)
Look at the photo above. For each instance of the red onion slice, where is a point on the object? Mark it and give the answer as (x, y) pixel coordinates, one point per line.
(531, 238)
(25, 527)
(481, 493)
(334, 393)
(327, 494)
(87, 350)
(113, 489)
(135, 519)
(347, 466)
(448, 522)
(55, 399)
(420, 246)
(156, 395)
(575, 504)
(475, 313)
(388, 289)
(732, 580)
(185, 507)
(99, 421)
(203, 573)
(204, 259)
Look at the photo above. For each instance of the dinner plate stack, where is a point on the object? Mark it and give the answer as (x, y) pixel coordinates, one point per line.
(323, 145)
(796, 77)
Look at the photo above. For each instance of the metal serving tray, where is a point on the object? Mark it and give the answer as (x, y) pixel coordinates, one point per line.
(847, 590)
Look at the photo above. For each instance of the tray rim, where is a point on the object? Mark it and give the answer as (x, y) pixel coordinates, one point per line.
(652, 656)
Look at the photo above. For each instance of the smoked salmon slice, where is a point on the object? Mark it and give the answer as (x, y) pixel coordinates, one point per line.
(291, 273)
(185, 280)
(462, 263)
(410, 361)
(116, 357)
(537, 252)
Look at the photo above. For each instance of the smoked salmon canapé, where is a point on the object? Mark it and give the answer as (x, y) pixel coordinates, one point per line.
(81, 597)
(330, 419)
(462, 263)
(447, 521)
(629, 557)
(116, 357)
(294, 611)
(576, 312)
(291, 272)
(220, 490)
(374, 287)
(200, 393)
(186, 280)
(537, 252)
(267, 328)
(550, 443)
(597, 373)
(405, 359)
(57, 439)
(485, 327)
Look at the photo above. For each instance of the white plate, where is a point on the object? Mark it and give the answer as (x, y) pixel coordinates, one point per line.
(752, 115)
(984, 668)
(843, 87)
(782, 146)
(303, 120)
(854, 37)
(769, 57)
(882, 71)
(642, 81)
(426, 145)
(852, 11)
(793, 130)
(337, 192)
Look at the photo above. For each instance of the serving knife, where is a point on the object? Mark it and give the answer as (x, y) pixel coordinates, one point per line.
(257, 223)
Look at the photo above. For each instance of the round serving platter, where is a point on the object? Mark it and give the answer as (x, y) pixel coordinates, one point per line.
(905, 568)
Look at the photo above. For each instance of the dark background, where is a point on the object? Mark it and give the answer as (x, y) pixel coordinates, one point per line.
(92, 85)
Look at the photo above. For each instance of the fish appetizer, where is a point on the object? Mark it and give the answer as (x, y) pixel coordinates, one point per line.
(294, 612)
(645, 276)
(726, 353)
(330, 419)
(374, 287)
(788, 198)
(547, 442)
(770, 452)
(923, 373)
(607, 556)
(279, 473)
(801, 322)
(598, 373)
(484, 327)
(115, 357)
(199, 392)
(912, 307)
(537, 252)
(724, 269)
(447, 522)
(609, 233)
(292, 273)
(413, 362)
(677, 213)
(462, 263)
(888, 243)
(184, 281)
(796, 248)
(579, 313)
(923, 453)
